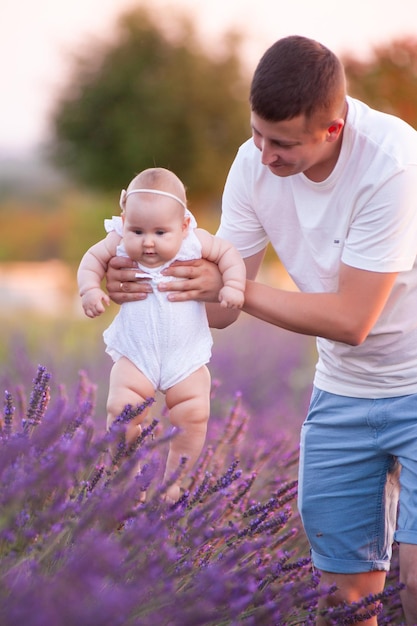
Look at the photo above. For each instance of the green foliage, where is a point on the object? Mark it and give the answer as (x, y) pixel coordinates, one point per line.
(388, 81)
(66, 223)
(146, 99)
(62, 228)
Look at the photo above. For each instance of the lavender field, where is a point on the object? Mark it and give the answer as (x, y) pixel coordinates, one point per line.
(78, 546)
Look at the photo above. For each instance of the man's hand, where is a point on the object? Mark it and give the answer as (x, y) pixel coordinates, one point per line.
(203, 281)
(122, 283)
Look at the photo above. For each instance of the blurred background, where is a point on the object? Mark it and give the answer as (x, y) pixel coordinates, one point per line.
(95, 91)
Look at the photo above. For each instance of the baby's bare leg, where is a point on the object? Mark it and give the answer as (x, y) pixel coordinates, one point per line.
(189, 409)
(128, 385)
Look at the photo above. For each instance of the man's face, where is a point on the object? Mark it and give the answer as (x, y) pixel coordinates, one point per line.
(293, 146)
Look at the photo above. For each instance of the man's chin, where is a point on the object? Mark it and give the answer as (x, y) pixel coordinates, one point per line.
(282, 170)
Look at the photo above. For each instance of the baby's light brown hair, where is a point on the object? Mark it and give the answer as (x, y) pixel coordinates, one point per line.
(161, 179)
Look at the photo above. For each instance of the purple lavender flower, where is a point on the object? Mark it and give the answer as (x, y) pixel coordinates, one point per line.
(8, 413)
(74, 527)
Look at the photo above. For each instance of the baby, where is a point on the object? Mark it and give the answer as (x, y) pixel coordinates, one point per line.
(157, 344)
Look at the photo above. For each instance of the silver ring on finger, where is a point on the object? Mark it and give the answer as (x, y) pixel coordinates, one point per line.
(121, 287)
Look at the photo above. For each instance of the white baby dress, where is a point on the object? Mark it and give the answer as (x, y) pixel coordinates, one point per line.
(167, 341)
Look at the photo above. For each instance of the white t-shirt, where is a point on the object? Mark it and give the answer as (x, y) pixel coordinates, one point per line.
(364, 214)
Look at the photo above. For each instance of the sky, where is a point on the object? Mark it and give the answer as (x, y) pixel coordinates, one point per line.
(37, 39)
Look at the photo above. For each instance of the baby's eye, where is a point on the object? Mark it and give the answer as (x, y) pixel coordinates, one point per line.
(160, 232)
(138, 232)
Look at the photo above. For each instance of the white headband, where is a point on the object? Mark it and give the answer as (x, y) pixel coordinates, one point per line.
(125, 194)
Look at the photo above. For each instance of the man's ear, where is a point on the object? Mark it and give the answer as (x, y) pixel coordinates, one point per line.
(334, 129)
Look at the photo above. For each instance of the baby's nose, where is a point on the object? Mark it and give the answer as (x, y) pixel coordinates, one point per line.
(148, 241)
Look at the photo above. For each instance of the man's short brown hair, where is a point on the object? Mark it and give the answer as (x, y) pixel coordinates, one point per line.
(297, 76)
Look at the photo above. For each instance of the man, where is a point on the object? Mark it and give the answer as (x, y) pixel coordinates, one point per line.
(332, 185)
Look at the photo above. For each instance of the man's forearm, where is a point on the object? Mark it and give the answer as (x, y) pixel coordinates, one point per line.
(316, 314)
(219, 317)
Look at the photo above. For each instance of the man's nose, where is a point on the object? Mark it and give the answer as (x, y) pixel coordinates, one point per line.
(269, 154)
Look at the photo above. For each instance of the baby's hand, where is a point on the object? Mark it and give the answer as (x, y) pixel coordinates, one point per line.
(231, 298)
(93, 300)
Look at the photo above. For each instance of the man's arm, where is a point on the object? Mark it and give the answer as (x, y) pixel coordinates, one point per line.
(203, 283)
(347, 315)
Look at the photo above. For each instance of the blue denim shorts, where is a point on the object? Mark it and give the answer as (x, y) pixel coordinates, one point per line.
(358, 460)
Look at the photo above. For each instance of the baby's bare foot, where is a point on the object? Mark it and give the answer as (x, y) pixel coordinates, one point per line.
(172, 494)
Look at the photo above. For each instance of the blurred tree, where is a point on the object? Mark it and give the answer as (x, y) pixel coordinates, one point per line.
(152, 97)
(388, 80)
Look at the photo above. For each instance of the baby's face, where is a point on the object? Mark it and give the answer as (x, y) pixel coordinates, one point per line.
(153, 229)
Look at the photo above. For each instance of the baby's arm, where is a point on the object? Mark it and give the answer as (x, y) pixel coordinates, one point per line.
(231, 265)
(91, 271)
